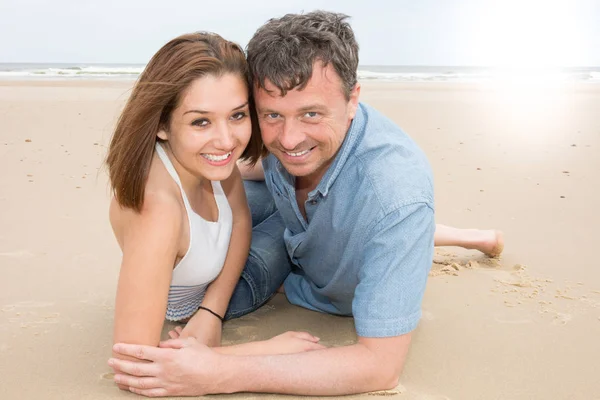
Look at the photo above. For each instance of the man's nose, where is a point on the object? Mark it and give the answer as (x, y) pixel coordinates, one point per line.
(291, 135)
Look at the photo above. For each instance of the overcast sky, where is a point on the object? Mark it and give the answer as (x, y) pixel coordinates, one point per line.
(391, 32)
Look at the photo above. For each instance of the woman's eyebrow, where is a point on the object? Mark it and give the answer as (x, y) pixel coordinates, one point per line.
(241, 106)
(196, 111)
(208, 112)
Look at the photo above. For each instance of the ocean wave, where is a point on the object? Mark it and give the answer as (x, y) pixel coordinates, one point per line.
(415, 76)
(73, 72)
(365, 73)
(594, 76)
(471, 74)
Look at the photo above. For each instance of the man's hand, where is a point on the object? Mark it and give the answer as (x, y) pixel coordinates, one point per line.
(181, 367)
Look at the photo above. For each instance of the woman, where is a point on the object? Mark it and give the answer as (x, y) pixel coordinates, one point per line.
(179, 210)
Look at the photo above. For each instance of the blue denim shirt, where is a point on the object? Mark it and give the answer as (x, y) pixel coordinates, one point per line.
(367, 246)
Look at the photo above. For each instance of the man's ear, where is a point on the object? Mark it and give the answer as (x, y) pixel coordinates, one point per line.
(162, 134)
(354, 98)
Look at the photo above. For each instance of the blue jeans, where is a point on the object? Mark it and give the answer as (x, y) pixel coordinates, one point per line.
(268, 262)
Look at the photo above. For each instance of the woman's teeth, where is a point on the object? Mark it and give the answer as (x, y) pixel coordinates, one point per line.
(212, 157)
(298, 154)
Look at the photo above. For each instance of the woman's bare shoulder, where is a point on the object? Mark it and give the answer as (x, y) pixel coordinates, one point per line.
(162, 206)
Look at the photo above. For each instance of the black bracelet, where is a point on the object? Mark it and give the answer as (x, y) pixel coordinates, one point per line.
(212, 312)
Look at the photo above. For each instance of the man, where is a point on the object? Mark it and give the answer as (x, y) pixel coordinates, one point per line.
(356, 197)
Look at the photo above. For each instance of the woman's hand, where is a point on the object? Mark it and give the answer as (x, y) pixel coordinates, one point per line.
(291, 342)
(203, 326)
(175, 333)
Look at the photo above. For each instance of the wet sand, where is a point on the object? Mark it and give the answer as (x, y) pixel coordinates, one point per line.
(524, 160)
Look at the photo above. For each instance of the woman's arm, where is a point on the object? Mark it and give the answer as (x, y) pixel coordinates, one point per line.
(204, 326)
(149, 241)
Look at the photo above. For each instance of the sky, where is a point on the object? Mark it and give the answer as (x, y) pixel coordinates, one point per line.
(504, 33)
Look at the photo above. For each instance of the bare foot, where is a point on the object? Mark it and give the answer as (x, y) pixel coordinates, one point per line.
(490, 242)
(493, 245)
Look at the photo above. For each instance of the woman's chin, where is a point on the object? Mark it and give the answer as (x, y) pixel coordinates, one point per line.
(219, 173)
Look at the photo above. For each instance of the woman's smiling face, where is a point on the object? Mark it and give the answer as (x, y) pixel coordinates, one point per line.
(210, 127)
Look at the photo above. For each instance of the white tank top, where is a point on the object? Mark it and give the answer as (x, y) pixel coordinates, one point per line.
(203, 261)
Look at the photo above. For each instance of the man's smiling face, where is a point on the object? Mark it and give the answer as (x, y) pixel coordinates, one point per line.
(305, 128)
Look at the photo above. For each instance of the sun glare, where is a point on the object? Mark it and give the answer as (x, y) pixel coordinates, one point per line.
(527, 34)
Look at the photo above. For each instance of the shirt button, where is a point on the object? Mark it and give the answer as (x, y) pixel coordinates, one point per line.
(313, 202)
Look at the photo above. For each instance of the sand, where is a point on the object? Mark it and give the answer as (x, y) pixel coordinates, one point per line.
(521, 160)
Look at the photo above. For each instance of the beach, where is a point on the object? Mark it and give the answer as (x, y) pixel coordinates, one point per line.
(522, 158)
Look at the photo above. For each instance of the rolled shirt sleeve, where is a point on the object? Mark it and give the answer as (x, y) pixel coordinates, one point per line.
(396, 260)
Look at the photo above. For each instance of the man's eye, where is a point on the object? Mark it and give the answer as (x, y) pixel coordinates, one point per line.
(272, 116)
(200, 122)
(238, 116)
(311, 114)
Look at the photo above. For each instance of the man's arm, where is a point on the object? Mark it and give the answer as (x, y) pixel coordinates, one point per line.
(371, 364)
(190, 368)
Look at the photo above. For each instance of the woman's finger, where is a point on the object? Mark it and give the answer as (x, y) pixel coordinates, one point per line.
(306, 336)
(316, 346)
(172, 344)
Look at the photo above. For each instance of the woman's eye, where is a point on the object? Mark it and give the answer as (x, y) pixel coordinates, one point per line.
(272, 115)
(238, 116)
(200, 122)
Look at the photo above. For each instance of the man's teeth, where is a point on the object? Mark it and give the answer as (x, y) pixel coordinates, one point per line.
(298, 154)
(212, 157)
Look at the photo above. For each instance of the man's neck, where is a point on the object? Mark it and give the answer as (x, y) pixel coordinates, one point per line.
(305, 185)
(309, 183)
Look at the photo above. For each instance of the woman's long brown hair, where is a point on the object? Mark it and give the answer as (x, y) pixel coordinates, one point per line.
(155, 95)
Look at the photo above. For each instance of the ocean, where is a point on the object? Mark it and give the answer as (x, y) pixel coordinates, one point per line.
(15, 71)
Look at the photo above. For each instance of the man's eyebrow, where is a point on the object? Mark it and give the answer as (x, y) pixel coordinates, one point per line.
(312, 107)
(208, 112)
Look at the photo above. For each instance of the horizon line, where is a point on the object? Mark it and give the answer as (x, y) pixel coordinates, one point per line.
(75, 63)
